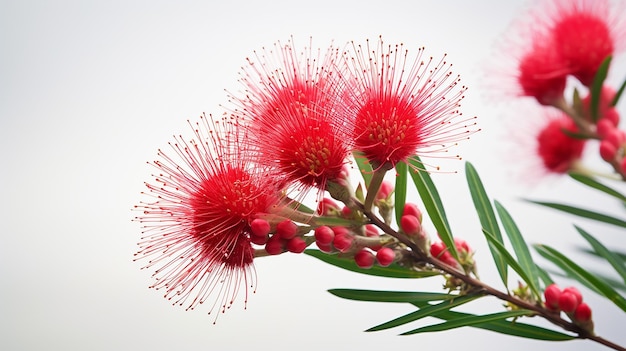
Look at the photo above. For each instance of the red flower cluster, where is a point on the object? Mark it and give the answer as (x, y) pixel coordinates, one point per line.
(221, 198)
(197, 223)
(566, 38)
(564, 42)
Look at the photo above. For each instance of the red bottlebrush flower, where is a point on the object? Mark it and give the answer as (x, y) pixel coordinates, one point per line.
(542, 74)
(583, 32)
(290, 103)
(399, 107)
(557, 150)
(197, 223)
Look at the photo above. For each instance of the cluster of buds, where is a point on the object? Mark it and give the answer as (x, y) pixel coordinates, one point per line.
(466, 262)
(570, 301)
(364, 243)
(285, 236)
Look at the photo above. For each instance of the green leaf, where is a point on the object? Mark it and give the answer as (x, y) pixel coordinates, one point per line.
(505, 327)
(426, 311)
(470, 320)
(575, 271)
(602, 251)
(521, 249)
(486, 215)
(508, 258)
(619, 93)
(597, 185)
(392, 271)
(390, 296)
(400, 190)
(596, 87)
(365, 168)
(583, 213)
(432, 202)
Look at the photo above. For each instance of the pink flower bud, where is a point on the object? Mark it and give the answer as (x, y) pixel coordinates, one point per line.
(574, 290)
(286, 229)
(364, 258)
(327, 207)
(325, 248)
(604, 127)
(413, 210)
(568, 302)
(260, 227)
(385, 256)
(385, 189)
(608, 151)
(296, 245)
(461, 245)
(552, 295)
(258, 240)
(582, 313)
(324, 235)
(343, 242)
(410, 225)
(274, 245)
(615, 137)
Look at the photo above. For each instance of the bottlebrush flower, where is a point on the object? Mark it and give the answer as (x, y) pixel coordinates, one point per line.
(197, 223)
(398, 105)
(557, 150)
(542, 74)
(584, 33)
(290, 102)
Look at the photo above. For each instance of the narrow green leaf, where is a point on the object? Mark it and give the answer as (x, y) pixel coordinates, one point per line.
(432, 202)
(425, 312)
(392, 271)
(583, 213)
(505, 327)
(521, 249)
(486, 216)
(596, 87)
(400, 190)
(602, 251)
(509, 259)
(390, 296)
(597, 185)
(619, 93)
(619, 254)
(469, 321)
(575, 271)
(616, 284)
(365, 168)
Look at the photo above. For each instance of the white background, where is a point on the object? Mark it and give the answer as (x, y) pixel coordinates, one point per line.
(89, 91)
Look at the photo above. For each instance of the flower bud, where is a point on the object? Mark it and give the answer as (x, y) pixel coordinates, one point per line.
(327, 207)
(385, 256)
(582, 313)
(413, 210)
(364, 258)
(568, 301)
(410, 225)
(286, 229)
(343, 242)
(296, 245)
(260, 227)
(324, 235)
(608, 151)
(552, 295)
(386, 188)
(274, 245)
